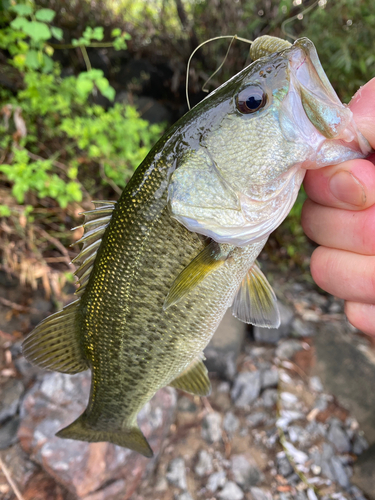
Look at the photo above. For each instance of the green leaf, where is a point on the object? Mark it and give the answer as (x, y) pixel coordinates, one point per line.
(84, 87)
(4, 211)
(57, 33)
(32, 59)
(98, 33)
(22, 10)
(19, 23)
(45, 15)
(37, 31)
(47, 64)
(116, 32)
(109, 93)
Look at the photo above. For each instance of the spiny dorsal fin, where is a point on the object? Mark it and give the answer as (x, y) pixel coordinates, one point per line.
(95, 223)
(194, 379)
(54, 344)
(210, 258)
(255, 301)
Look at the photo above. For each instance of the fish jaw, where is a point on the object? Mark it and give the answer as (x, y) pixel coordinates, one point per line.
(312, 112)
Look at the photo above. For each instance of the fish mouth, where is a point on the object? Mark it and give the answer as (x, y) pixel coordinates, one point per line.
(313, 112)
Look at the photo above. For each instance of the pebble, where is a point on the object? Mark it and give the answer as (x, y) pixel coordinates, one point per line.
(231, 423)
(315, 384)
(302, 328)
(8, 433)
(184, 496)
(356, 493)
(360, 444)
(338, 437)
(298, 456)
(186, 404)
(256, 419)
(260, 494)
(246, 388)
(244, 473)
(284, 467)
(269, 378)
(231, 492)
(339, 472)
(211, 427)
(216, 480)
(269, 398)
(176, 473)
(11, 393)
(204, 465)
(288, 348)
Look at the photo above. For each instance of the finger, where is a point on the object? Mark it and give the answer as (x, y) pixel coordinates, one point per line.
(344, 274)
(342, 229)
(349, 185)
(363, 107)
(362, 316)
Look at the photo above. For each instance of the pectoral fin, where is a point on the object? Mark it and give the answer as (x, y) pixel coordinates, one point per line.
(255, 301)
(194, 379)
(208, 260)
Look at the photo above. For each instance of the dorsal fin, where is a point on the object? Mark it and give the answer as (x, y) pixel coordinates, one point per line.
(94, 225)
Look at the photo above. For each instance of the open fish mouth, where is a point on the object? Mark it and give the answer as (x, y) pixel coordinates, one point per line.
(312, 111)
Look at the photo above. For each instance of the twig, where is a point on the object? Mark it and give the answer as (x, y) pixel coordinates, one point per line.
(10, 480)
(57, 244)
(85, 57)
(16, 307)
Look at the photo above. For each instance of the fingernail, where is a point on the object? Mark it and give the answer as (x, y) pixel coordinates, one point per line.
(346, 188)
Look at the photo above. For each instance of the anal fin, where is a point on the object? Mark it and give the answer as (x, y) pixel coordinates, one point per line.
(54, 344)
(128, 437)
(194, 379)
(208, 260)
(256, 302)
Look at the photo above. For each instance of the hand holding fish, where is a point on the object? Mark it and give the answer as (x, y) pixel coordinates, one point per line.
(340, 216)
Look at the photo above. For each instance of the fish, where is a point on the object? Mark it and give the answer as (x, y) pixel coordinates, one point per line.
(159, 268)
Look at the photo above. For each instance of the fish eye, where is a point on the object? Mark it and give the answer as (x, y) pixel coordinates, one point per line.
(251, 99)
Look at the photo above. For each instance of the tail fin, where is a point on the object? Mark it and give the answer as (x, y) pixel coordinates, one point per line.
(130, 437)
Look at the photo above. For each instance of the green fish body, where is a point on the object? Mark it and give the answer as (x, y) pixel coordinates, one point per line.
(160, 267)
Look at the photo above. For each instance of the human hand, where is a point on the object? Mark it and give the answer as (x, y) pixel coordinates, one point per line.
(340, 216)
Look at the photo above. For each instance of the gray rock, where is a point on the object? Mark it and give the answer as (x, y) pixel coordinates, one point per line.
(260, 494)
(311, 494)
(211, 427)
(176, 473)
(338, 437)
(225, 346)
(299, 434)
(284, 467)
(315, 384)
(355, 493)
(321, 403)
(339, 472)
(300, 495)
(184, 496)
(360, 444)
(8, 433)
(231, 492)
(288, 348)
(269, 378)
(231, 423)
(269, 398)
(256, 419)
(186, 404)
(10, 398)
(273, 335)
(216, 480)
(246, 388)
(302, 328)
(204, 464)
(244, 472)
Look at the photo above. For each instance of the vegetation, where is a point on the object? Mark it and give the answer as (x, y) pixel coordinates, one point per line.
(67, 135)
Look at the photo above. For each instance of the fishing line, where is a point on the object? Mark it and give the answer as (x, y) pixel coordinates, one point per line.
(297, 16)
(233, 37)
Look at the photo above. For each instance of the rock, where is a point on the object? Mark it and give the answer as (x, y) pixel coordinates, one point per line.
(256, 419)
(289, 401)
(111, 492)
(364, 476)
(204, 465)
(302, 328)
(176, 473)
(186, 404)
(360, 444)
(225, 346)
(298, 456)
(338, 437)
(184, 496)
(273, 335)
(41, 486)
(11, 393)
(311, 494)
(284, 467)
(260, 494)
(315, 384)
(244, 472)
(356, 493)
(339, 472)
(20, 467)
(211, 427)
(246, 388)
(288, 348)
(8, 433)
(269, 398)
(269, 378)
(82, 467)
(231, 492)
(231, 423)
(216, 480)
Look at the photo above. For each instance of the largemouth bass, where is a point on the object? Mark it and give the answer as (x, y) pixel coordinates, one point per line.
(159, 268)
